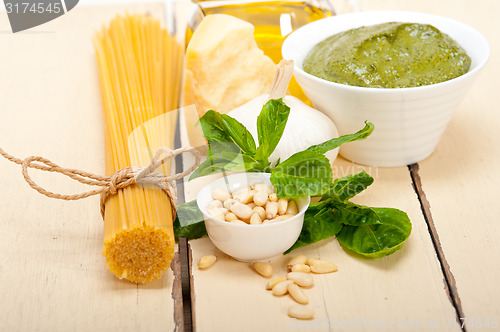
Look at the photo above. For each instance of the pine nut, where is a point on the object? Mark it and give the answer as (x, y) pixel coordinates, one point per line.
(214, 204)
(219, 216)
(281, 218)
(292, 207)
(261, 211)
(245, 195)
(228, 202)
(273, 197)
(301, 268)
(271, 209)
(320, 266)
(281, 288)
(239, 222)
(260, 198)
(264, 269)
(248, 197)
(268, 189)
(300, 278)
(255, 219)
(300, 259)
(297, 294)
(241, 210)
(218, 213)
(240, 192)
(282, 206)
(207, 261)
(300, 312)
(230, 216)
(251, 205)
(271, 283)
(220, 194)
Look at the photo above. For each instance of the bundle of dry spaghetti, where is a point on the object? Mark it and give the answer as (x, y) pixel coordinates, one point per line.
(140, 71)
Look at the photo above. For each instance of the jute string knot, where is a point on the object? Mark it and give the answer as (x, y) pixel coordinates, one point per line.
(146, 177)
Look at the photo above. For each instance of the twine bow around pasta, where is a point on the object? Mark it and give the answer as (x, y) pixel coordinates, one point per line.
(141, 253)
(109, 185)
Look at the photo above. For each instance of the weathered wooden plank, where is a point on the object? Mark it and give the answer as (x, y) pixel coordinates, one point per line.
(461, 187)
(52, 273)
(405, 289)
(459, 179)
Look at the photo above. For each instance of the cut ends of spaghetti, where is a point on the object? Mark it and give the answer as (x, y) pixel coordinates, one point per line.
(140, 254)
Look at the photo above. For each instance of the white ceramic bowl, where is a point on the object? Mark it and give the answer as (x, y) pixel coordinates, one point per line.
(250, 243)
(408, 122)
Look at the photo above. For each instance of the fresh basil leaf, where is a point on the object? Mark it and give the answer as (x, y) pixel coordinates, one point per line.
(225, 161)
(319, 224)
(336, 142)
(189, 222)
(378, 240)
(219, 127)
(209, 167)
(306, 173)
(271, 123)
(355, 215)
(349, 186)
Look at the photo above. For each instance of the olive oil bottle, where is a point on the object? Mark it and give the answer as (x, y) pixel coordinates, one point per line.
(273, 21)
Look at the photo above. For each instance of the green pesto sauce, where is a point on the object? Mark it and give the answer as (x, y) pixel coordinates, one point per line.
(388, 55)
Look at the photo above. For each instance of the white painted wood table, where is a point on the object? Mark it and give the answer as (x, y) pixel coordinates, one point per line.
(53, 276)
(446, 276)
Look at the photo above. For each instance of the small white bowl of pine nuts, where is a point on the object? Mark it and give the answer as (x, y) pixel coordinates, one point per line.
(246, 220)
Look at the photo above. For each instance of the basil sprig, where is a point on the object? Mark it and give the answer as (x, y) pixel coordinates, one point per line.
(368, 231)
(271, 124)
(231, 147)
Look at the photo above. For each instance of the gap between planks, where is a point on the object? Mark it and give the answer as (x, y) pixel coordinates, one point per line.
(182, 286)
(187, 285)
(184, 263)
(449, 279)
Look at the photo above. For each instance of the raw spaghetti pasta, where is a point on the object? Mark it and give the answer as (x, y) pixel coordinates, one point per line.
(140, 70)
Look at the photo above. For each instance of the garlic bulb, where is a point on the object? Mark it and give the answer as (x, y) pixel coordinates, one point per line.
(306, 126)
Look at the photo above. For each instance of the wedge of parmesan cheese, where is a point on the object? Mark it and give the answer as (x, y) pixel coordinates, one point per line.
(224, 69)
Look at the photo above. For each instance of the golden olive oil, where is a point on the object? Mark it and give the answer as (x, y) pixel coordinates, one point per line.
(273, 21)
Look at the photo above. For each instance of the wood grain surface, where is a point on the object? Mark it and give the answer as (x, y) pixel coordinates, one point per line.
(459, 180)
(52, 273)
(363, 294)
(445, 278)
